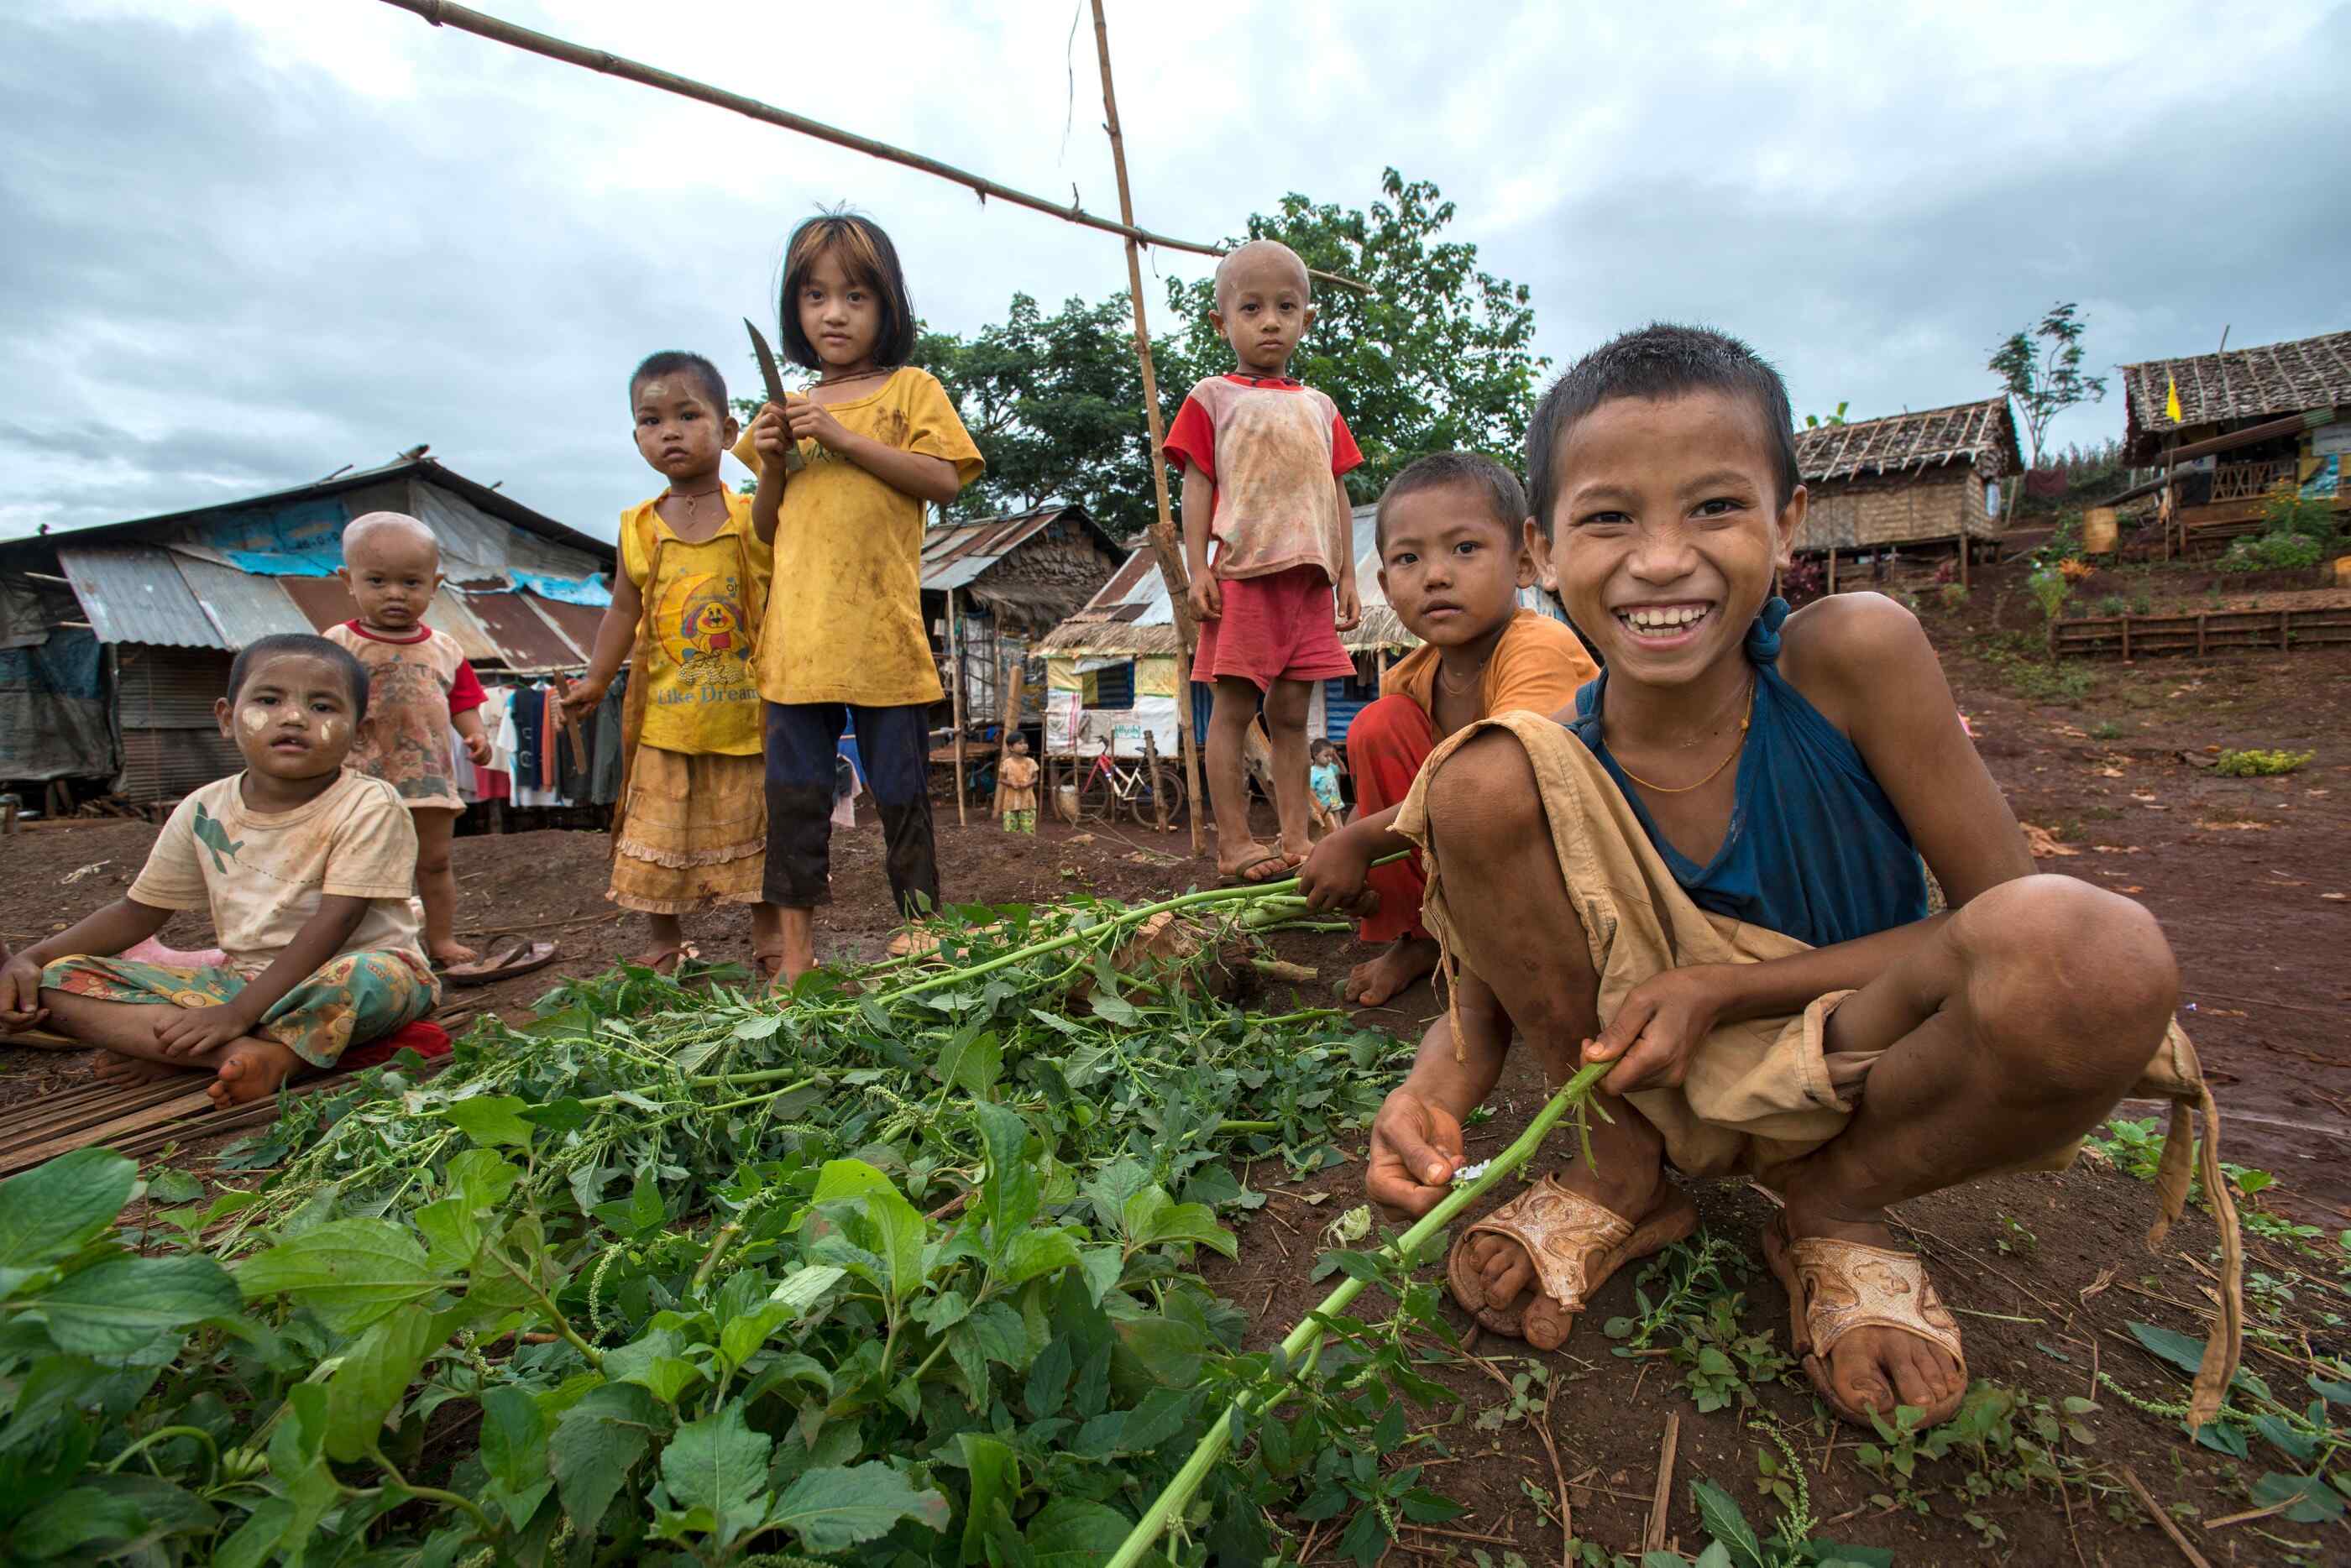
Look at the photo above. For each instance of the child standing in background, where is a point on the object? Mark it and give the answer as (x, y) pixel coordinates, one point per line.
(1322, 778)
(844, 642)
(1019, 777)
(419, 685)
(692, 824)
(1263, 458)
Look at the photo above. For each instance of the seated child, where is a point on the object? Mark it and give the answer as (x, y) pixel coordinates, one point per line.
(1455, 548)
(1263, 458)
(421, 685)
(691, 828)
(305, 865)
(1733, 913)
(1019, 776)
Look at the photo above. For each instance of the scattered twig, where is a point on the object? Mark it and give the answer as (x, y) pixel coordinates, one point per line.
(2139, 1491)
(1661, 1504)
(545, 925)
(1461, 1535)
(2068, 1502)
(2252, 1513)
(1558, 1479)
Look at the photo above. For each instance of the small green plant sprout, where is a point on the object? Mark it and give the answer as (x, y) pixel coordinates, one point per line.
(1731, 1542)
(2109, 730)
(2050, 591)
(2015, 1239)
(1687, 1303)
(1952, 596)
(2255, 762)
(2114, 605)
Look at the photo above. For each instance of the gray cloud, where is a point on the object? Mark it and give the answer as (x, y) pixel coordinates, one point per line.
(238, 258)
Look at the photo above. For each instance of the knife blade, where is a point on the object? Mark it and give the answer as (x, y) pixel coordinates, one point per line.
(774, 378)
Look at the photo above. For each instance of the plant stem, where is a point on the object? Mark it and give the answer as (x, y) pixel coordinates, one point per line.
(433, 1494)
(554, 1313)
(1308, 1335)
(1232, 1127)
(157, 1435)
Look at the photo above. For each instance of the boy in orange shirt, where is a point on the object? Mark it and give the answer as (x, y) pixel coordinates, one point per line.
(1263, 457)
(1455, 549)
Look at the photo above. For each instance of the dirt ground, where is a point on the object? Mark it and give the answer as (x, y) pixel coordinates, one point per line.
(2249, 877)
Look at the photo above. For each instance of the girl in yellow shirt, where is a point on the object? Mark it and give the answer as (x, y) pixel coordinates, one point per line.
(843, 642)
(686, 605)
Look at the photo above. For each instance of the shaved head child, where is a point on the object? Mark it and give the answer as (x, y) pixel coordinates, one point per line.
(421, 685)
(1269, 544)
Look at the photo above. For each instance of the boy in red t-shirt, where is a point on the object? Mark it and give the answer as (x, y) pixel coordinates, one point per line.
(1262, 457)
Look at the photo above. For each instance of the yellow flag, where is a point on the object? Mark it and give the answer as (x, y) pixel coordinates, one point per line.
(2171, 401)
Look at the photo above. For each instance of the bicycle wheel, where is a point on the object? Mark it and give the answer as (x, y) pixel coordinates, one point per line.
(1162, 784)
(1097, 799)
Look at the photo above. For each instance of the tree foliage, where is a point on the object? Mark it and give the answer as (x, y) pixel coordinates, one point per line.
(2042, 368)
(1441, 356)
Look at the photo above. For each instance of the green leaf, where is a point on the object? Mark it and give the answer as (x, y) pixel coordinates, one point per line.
(349, 1271)
(173, 1186)
(493, 1121)
(974, 1067)
(78, 1517)
(1073, 1532)
(1194, 1222)
(1112, 1187)
(49, 1212)
(595, 1445)
(885, 1224)
(368, 1386)
(513, 1437)
(2296, 1447)
(451, 1231)
(2312, 1501)
(483, 1178)
(120, 1305)
(801, 1291)
(1170, 1349)
(1035, 1253)
(639, 1216)
(1715, 1555)
(1008, 1193)
(563, 1116)
(719, 1463)
(835, 1508)
(1139, 1216)
(995, 1484)
(1726, 1524)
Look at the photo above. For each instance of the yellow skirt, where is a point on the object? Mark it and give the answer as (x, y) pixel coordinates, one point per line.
(694, 831)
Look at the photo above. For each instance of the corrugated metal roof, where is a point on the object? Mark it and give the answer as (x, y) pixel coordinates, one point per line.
(529, 640)
(954, 555)
(243, 607)
(1131, 613)
(579, 623)
(134, 592)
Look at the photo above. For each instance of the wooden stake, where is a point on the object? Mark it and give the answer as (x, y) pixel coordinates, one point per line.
(1163, 532)
(440, 14)
(955, 652)
(1011, 686)
(2139, 1491)
(1661, 1502)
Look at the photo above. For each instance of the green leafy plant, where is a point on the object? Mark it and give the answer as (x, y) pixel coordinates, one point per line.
(1685, 1301)
(2255, 762)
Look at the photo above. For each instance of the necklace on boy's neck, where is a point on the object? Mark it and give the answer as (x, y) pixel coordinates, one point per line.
(691, 497)
(1738, 744)
(1462, 691)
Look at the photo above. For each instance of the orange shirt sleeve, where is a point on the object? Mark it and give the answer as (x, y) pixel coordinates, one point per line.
(1538, 667)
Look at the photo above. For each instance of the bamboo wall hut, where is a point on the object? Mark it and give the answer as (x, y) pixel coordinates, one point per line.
(992, 588)
(1110, 668)
(1928, 478)
(2251, 420)
(116, 640)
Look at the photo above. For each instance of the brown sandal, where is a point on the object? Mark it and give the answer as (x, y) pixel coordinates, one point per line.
(1576, 1245)
(1834, 1287)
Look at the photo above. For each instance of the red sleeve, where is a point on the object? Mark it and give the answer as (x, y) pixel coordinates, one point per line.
(1345, 453)
(1191, 439)
(465, 692)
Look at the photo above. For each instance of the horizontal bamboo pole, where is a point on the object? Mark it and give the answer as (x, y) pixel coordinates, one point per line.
(441, 13)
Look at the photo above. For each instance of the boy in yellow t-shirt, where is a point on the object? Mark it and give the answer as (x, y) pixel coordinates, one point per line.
(692, 824)
(844, 642)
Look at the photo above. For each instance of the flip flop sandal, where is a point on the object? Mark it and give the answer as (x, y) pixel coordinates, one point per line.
(1242, 878)
(506, 958)
(914, 944)
(1834, 1287)
(1576, 1245)
(668, 959)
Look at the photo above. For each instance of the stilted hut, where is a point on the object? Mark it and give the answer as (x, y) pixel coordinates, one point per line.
(1922, 483)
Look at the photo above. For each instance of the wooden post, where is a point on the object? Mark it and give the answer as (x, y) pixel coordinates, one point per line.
(1833, 555)
(1966, 548)
(955, 653)
(1151, 775)
(2125, 620)
(1011, 686)
(1163, 533)
(2199, 634)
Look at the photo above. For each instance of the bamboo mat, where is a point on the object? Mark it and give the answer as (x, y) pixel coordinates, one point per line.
(143, 1119)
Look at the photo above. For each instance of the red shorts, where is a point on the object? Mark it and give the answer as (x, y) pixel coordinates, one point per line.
(1275, 628)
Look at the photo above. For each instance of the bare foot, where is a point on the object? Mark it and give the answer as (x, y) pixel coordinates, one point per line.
(251, 1070)
(795, 948)
(1394, 970)
(452, 952)
(1499, 1270)
(1874, 1367)
(112, 1067)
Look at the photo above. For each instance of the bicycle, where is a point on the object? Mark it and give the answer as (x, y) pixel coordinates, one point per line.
(1144, 791)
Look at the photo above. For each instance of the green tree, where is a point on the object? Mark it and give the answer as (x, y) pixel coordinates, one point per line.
(2042, 368)
(1441, 357)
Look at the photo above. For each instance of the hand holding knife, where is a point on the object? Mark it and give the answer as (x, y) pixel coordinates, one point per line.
(793, 461)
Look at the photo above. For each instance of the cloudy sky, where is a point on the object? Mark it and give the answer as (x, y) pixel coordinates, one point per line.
(248, 242)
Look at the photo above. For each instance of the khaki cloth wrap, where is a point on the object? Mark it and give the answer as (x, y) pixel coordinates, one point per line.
(1764, 1091)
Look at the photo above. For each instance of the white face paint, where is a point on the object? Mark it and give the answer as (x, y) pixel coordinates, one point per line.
(254, 720)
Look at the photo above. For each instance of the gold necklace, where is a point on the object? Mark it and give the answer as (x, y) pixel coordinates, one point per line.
(1736, 746)
(1458, 691)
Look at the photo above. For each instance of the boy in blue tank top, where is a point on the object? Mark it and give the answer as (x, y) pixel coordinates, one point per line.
(1735, 913)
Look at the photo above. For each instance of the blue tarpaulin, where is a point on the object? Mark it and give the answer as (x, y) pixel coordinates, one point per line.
(567, 590)
(300, 539)
(54, 721)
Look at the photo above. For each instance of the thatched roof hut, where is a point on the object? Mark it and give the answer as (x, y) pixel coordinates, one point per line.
(1929, 477)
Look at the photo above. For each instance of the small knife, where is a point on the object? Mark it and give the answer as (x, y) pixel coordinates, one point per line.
(793, 461)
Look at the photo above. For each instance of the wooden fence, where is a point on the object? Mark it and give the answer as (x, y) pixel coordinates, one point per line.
(2205, 633)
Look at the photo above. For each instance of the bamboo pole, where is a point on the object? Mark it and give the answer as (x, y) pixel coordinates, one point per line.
(955, 652)
(1163, 532)
(1010, 686)
(441, 13)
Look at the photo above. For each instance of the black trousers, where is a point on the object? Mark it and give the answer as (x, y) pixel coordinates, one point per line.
(894, 744)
